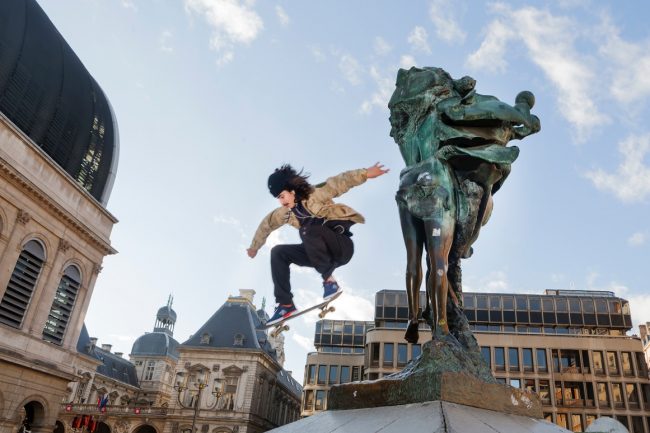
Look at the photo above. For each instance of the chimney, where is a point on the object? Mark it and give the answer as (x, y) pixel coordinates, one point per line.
(249, 294)
(107, 347)
(93, 341)
(119, 354)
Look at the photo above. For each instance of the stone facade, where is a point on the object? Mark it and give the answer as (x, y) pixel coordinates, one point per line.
(228, 379)
(40, 203)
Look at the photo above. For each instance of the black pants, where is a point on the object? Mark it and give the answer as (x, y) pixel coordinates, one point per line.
(322, 248)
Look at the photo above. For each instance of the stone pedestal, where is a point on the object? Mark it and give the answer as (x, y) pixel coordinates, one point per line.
(446, 371)
(429, 417)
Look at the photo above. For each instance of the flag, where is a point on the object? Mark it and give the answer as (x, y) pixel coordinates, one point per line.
(103, 402)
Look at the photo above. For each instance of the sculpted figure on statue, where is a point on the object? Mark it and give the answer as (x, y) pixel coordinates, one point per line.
(454, 143)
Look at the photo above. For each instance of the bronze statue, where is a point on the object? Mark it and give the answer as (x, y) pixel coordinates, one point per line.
(454, 143)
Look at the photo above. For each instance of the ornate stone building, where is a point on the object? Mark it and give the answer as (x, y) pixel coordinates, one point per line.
(58, 157)
(226, 378)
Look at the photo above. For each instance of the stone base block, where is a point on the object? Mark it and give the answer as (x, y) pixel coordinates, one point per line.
(434, 417)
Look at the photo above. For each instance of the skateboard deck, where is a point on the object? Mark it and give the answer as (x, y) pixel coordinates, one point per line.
(324, 307)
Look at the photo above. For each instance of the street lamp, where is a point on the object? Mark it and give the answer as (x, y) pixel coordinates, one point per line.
(197, 387)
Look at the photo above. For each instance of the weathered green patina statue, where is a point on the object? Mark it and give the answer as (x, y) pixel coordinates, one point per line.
(454, 143)
(455, 146)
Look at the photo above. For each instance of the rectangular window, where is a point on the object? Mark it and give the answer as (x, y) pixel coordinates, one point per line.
(641, 366)
(573, 394)
(561, 420)
(632, 396)
(356, 374)
(576, 422)
(527, 358)
(626, 363)
(603, 395)
(345, 374)
(402, 352)
(416, 350)
(556, 360)
(499, 359)
(589, 418)
(513, 359)
(311, 378)
(322, 374)
(148, 373)
(320, 400)
(388, 354)
(599, 367)
(515, 383)
(541, 360)
(612, 364)
(374, 354)
(485, 351)
(309, 400)
(334, 372)
(617, 395)
(637, 424)
(559, 400)
(529, 385)
(545, 392)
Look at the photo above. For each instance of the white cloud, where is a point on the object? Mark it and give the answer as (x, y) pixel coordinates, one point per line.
(381, 46)
(637, 239)
(442, 14)
(233, 22)
(234, 223)
(406, 61)
(630, 64)
(318, 54)
(381, 96)
(351, 69)
(282, 15)
(128, 4)
(304, 342)
(550, 43)
(164, 42)
(490, 55)
(419, 39)
(631, 180)
(639, 307)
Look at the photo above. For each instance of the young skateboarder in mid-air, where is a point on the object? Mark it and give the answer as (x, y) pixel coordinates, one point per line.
(324, 228)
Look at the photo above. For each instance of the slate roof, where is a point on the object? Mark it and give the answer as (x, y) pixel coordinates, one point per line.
(112, 366)
(235, 325)
(155, 344)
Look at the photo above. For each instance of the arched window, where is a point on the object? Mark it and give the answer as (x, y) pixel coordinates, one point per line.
(66, 294)
(21, 284)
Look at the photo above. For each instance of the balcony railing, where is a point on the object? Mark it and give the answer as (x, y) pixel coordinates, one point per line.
(93, 409)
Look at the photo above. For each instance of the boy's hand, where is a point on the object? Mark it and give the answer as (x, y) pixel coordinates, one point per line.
(251, 252)
(376, 170)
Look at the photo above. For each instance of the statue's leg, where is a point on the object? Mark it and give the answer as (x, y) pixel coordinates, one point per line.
(413, 232)
(439, 239)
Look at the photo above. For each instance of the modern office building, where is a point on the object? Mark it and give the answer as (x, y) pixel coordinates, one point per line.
(570, 347)
(58, 159)
(644, 331)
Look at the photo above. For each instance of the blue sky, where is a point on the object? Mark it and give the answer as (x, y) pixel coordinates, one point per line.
(212, 95)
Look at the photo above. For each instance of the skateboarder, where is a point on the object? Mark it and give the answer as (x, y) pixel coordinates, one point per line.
(324, 228)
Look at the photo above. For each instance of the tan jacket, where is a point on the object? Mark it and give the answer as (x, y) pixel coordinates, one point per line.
(319, 203)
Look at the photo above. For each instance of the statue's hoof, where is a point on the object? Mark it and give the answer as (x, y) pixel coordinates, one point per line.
(426, 315)
(411, 334)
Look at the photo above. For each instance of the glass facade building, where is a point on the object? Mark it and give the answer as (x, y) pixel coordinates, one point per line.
(570, 347)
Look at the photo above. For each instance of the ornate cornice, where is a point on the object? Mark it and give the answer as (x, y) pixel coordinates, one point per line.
(20, 181)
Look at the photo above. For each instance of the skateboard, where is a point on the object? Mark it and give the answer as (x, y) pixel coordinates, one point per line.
(324, 307)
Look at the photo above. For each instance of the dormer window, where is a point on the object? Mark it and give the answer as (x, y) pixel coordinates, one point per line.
(206, 338)
(239, 340)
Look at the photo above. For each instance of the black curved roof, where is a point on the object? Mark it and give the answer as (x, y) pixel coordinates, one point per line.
(155, 344)
(165, 313)
(47, 92)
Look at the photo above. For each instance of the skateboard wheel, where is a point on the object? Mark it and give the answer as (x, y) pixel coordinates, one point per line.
(332, 309)
(322, 314)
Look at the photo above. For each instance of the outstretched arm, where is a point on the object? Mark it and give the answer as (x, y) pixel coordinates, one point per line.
(340, 184)
(272, 221)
